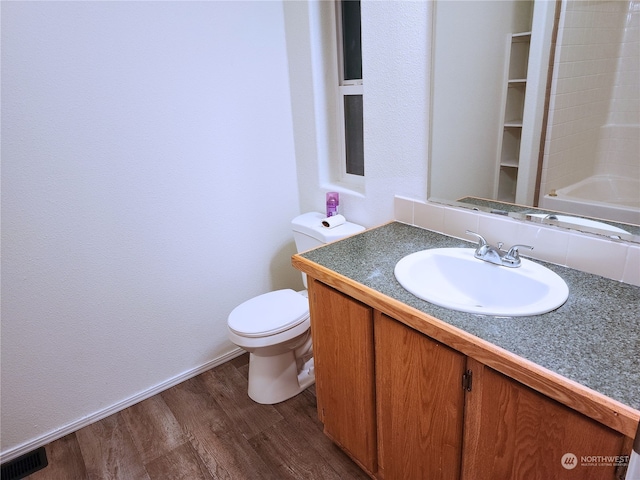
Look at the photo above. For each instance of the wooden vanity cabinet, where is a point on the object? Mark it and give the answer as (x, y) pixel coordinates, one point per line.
(404, 406)
(420, 403)
(512, 431)
(342, 332)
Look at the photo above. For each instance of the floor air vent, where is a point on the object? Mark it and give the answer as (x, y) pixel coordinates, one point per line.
(24, 465)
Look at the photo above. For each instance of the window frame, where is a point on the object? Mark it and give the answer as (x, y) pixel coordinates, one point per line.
(345, 88)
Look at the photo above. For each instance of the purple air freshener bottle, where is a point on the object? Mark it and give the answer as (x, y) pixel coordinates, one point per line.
(333, 200)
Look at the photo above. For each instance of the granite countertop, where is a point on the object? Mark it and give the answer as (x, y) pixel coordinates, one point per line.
(593, 339)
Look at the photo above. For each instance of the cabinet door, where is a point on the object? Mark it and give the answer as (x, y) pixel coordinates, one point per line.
(342, 332)
(514, 432)
(420, 404)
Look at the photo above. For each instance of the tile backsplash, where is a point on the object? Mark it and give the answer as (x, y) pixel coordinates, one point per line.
(585, 252)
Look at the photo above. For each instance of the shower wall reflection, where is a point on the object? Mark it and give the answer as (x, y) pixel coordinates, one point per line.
(593, 136)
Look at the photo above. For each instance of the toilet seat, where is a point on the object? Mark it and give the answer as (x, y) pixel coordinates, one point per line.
(269, 314)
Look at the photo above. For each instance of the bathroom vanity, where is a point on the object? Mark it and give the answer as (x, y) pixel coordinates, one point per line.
(411, 390)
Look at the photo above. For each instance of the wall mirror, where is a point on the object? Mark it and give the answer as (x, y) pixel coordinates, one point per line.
(536, 111)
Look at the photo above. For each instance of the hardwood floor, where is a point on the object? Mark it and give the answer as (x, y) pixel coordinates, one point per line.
(204, 428)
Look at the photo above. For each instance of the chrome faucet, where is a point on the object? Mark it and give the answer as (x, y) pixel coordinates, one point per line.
(488, 253)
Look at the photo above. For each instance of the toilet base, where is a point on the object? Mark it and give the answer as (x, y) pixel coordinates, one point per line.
(276, 378)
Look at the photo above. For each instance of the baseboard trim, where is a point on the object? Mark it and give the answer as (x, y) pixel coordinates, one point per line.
(15, 452)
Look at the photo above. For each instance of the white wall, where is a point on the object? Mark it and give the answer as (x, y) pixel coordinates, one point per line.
(396, 46)
(148, 182)
(469, 61)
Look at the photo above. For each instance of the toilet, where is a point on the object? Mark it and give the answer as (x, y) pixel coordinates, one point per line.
(275, 328)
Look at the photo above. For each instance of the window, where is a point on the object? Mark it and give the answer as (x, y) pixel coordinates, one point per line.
(353, 134)
(350, 87)
(351, 40)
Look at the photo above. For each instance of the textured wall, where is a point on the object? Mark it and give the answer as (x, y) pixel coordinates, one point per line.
(148, 183)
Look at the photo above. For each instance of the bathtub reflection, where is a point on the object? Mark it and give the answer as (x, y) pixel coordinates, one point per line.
(600, 196)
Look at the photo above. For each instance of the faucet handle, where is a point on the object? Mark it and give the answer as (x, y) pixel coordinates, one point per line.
(513, 251)
(512, 257)
(481, 241)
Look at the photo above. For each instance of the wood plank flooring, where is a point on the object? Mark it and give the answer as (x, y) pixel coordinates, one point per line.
(204, 428)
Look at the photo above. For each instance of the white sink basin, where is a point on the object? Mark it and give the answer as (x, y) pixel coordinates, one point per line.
(455, 279)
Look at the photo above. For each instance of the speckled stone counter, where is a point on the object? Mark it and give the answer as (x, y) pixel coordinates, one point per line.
(593, 339)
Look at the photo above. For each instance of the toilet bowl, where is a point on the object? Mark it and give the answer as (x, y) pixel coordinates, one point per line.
(275, 329)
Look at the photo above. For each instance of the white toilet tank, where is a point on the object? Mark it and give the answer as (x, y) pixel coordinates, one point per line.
(308, 232)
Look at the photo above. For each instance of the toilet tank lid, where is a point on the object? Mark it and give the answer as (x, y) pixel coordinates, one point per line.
(311, 224)
(269, 313)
